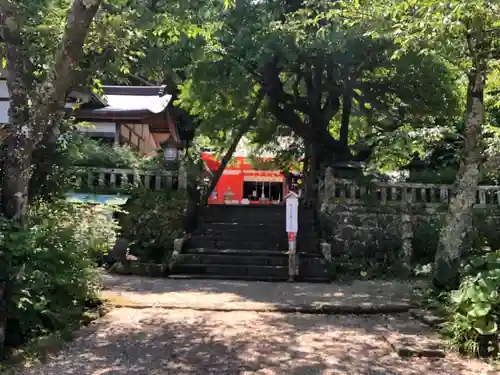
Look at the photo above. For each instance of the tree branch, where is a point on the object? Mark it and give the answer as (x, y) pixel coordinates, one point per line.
(296, 84)
(287, 116)
(229, 153)
(273, 87)
(331, 106)
(52, 94)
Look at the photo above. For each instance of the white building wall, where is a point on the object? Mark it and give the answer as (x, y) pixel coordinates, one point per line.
(99, 127)
(4, 102)
(4, 93)
(4, 112)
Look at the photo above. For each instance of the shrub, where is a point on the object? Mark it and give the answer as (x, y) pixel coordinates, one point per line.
(473, 311)
(86, 152)
(152, 222)
(56, 247)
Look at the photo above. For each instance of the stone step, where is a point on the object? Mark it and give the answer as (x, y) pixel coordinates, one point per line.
(182, 276)
(246, 208)
(251, 217)
(254, 271)
(225, 227)
(236, 243)
(243, 252)
(233, 259)
(299, 279)
(243, 272)
(310, 265)
(230, 270)
(254, 209)
(262, 243)
(246, 221)
(277, 259)
(249, 243)
(302, 248)
(238, 233)
(230, 228)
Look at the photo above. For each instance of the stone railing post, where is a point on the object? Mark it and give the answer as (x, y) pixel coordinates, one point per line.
(406, 239)
(182, 176)
(406, 230)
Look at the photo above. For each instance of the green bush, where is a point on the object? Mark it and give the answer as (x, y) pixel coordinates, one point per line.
(445, 176)
(86, 152)
(473, 311)
(152, 222)
(55, 248)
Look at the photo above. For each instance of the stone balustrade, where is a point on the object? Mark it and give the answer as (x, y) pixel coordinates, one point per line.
(116, 179)
(352, 192)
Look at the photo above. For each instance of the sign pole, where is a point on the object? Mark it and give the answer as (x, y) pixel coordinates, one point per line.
(292, 226)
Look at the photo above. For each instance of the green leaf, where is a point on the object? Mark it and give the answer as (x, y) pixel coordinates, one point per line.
(485, 327)
(229, 4)
(477, 294)
(479, 310)
(458, 296)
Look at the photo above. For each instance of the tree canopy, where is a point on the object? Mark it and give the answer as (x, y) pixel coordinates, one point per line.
(328, 83)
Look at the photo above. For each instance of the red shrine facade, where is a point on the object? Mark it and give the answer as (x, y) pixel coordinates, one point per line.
(241, 183)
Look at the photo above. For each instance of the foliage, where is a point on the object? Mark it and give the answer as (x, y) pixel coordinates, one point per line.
(465, 35)
(86, 152)
(218, 56)
(473, 311)
(73, 150)
(56, 250)
(444, 176)
(304, 42)
(42, 53)
(425, 240)
(152, 222)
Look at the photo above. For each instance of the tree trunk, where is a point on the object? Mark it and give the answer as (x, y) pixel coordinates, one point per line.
(7, 285)
(305, 171)
(29, 123)
(46, 176)
(4, 300)
(452, 234)
(346, 116)
(229, 153)
(17, 173)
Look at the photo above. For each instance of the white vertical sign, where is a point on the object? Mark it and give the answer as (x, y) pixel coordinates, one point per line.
(292, 212)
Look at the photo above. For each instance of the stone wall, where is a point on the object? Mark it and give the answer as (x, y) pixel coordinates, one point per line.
(372, 238)
(370, 235)
(360, 234)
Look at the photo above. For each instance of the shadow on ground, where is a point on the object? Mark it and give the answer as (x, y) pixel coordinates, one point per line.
(159, 341)
(197, 291)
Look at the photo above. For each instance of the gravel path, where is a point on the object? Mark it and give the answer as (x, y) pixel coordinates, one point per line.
(177, 342)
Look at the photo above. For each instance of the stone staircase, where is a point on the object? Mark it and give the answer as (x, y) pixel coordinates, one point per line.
(249, 243)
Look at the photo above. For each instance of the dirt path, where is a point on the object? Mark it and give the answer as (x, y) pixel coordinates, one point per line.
(178, 342)
(196, 335)
(252, 296)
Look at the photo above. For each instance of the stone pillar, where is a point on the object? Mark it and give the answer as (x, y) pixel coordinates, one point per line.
(406, 237)
(327, 189)
(182, 176)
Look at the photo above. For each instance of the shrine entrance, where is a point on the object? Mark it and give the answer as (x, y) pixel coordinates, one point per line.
(263, 192)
